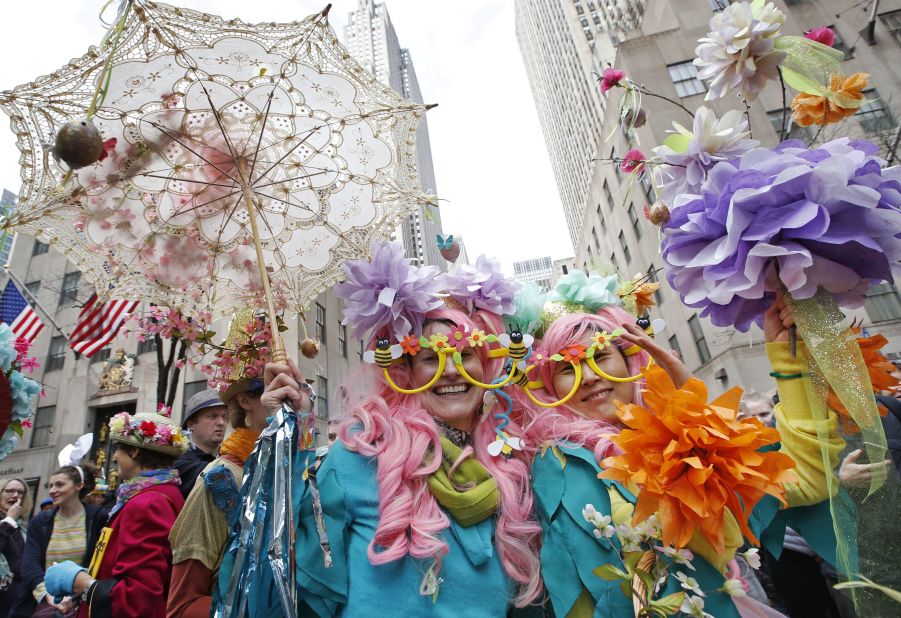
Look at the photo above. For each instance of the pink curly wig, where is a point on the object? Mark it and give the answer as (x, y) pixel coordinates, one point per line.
(403, 437)
(563, 423)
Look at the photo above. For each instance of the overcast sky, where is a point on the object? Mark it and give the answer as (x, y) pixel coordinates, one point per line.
(491, 163)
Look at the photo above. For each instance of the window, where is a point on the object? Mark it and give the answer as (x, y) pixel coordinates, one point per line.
(40, 248)
(57, 356)
(883, 303)
(700, 341)
(590, 256)
(322, 397)
(33, 288)
(320, 322)
(100, 356)
(594, 235)
(648, 188)
(840, 44)
(674, 345)
(792, 130)
(148, 345)
(892, 21)
(342, 340)
(873, 115)
(652, 278)
(719, 5)
(636, 222)
(685, 78)
(613, 262)
(191, 389)
(69, 292)
(608, 194)
(43, 426)
(600, 215)
(625, 247)
(360, 350)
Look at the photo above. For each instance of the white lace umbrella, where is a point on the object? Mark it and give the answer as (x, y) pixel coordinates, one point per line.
(230, 145)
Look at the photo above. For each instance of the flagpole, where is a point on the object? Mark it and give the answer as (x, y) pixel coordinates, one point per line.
(34, 300)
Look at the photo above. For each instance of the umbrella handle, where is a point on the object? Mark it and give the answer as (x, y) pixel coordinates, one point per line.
(278, 345)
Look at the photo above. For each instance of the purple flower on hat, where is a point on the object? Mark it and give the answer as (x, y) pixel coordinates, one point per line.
(388, 291)
(483, 286)
(828, 217)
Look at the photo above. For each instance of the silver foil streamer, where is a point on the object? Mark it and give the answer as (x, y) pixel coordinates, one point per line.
(271, 467)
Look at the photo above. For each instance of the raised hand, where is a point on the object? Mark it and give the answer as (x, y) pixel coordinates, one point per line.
(668, 361)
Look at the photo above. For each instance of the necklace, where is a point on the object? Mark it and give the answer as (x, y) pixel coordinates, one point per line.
(458, 437)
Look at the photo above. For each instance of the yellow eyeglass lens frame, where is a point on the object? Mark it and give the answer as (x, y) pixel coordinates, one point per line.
(601, 341)
(443, 351)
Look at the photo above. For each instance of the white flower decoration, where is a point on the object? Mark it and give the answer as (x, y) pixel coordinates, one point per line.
(738, 54)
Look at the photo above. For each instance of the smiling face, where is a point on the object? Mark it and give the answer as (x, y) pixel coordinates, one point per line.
(452, 399)
(63, 489)
(595, 395)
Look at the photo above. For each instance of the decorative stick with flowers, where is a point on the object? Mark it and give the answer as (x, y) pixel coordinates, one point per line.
(742, 223)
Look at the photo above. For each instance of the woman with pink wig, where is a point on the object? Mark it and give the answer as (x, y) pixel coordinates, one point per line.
(415, 518)
(583, 518)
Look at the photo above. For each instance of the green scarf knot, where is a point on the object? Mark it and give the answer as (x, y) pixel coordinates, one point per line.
(471, 496)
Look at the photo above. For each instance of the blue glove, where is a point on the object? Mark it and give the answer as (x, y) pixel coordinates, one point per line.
(60, 578)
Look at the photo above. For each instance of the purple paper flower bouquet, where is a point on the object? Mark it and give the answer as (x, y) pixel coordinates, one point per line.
(827, 217)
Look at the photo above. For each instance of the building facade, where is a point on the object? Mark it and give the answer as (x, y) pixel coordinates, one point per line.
(371, 39)
(559, 65)
(537, 270)
(654, 43)
(82, 393)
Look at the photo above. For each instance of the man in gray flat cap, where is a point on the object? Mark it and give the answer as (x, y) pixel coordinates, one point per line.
(205, 417)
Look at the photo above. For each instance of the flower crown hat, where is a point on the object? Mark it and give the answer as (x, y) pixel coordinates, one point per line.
(389, 292)
(578, 292)
(238, 365)
(149, 430)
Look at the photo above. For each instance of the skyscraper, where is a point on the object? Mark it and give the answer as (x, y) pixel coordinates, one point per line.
(559, 64)
(371, 39)
(653, 42)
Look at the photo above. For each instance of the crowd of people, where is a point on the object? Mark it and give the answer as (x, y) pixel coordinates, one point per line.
(430, 502)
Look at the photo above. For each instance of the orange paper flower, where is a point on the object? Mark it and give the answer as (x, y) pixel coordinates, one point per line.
(692, 460)
(880, 369)
(644, 297)
(838, 103)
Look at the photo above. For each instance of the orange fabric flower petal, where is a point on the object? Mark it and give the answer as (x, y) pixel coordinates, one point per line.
(693, 460)
(880, 369)
(842, 100)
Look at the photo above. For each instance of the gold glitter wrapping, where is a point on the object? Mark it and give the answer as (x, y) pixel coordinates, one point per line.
(859, 514)
(812, 61)
(237, 337)
(836, 362)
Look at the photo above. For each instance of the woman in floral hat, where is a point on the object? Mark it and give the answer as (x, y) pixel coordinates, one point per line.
(129, 572)
(590, 348)
(417, 518)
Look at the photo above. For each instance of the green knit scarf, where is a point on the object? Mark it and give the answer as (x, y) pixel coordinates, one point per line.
(471, 495)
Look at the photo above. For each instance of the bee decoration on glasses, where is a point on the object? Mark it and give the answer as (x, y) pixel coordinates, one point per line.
(384, 353)
(517, 344)
(651, 327)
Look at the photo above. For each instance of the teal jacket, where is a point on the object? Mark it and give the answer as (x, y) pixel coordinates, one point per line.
(474, 582)
(570, 551)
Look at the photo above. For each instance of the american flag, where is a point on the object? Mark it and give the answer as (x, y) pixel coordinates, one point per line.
(15, 311)
(99, 324)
